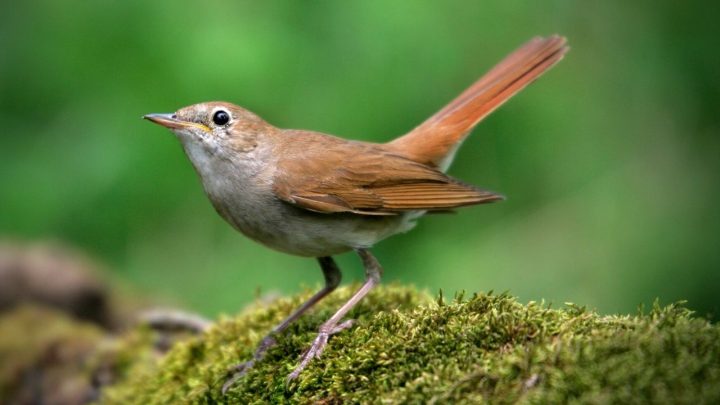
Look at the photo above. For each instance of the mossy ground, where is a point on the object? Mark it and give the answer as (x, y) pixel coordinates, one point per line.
(43, 351)
(409, 348)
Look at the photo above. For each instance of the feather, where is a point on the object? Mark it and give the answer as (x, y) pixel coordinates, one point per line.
(434, 141)
(362, 178)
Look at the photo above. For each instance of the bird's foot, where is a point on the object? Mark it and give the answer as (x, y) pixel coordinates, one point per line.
(318, 346)
(239, 370)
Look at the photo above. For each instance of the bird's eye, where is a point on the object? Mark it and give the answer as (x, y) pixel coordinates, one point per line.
(221, 117)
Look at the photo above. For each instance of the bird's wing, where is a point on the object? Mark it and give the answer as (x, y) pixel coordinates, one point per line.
(362, 178)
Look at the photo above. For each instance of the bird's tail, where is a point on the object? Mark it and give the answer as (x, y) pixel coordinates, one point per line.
(435, 141)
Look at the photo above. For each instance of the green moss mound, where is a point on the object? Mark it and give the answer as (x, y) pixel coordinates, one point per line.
(407, 347)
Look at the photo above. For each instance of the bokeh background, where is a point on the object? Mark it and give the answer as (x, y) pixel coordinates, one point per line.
(610, 162)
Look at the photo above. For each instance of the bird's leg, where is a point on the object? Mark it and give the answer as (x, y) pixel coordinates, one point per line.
(332, 275)
(373, 272)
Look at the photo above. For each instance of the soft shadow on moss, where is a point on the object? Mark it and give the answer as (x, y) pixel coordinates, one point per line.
(407, 347)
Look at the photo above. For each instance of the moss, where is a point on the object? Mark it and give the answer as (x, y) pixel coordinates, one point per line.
(43, 353)
(50, 356)
(115, 359)
(407, 347)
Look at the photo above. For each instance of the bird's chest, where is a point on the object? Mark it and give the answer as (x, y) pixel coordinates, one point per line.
(249, 210)
(239, 189)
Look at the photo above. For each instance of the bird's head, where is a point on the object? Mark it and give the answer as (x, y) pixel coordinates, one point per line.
(214, 127)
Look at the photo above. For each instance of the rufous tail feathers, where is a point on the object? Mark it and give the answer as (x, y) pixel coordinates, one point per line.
(435, 141)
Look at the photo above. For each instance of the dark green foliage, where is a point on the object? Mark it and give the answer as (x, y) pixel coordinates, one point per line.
(407, 347)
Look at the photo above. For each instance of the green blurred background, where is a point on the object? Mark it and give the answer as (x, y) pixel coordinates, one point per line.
(610, 162)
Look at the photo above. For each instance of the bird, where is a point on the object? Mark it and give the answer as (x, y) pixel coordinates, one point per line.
(315, 195)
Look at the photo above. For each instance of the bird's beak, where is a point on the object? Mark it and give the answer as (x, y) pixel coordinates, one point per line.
(166, 120)
(171, 121)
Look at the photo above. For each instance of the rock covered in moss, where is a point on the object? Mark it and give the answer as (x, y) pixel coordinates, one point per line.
(407, 347)
(43, 355)
(48, 356)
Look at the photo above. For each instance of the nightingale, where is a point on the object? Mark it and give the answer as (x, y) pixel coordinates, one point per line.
(315, 195)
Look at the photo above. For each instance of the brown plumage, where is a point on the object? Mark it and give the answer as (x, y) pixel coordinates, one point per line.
(435, 140)
(405, 174)
(366, 179)
(312, 194)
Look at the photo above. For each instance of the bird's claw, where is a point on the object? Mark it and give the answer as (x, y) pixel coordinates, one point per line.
(314, 351)
(318, 346)
(239, 370)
